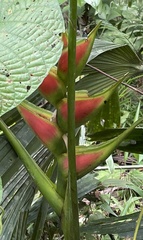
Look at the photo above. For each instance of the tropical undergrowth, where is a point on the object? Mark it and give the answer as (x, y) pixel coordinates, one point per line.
(110, 195)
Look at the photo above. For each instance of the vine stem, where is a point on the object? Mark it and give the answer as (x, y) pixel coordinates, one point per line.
(71, 200)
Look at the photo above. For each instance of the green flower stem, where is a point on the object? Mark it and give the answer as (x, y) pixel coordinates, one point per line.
(71, 217)
(44, 184)
(138, 224)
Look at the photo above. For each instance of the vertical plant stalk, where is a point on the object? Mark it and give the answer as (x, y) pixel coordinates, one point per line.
(44, 184)
(138, 224)
(72, 222)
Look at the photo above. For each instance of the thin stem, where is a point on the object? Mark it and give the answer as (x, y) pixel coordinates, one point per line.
(119, 167)
(72, 178)
(114, 79)
(44, 184)
(138, 224)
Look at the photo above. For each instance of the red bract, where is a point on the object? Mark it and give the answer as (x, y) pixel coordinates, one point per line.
(52, 89)
(40, 122)
(83, 50)
(85, 107)
(83, 161)
(87, 158)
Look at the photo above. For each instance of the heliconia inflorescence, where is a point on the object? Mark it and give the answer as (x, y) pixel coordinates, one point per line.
(40, 120)
(83, 49)
(85, 107)
(52, 88)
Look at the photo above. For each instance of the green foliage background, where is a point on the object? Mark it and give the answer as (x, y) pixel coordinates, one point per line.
(113, 194)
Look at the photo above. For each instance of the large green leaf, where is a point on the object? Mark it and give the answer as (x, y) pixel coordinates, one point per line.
(9, 162)
(101, 46)
(29, 47)
(19, 189)
(114, 60)
(133, 143)
(124, 226)
(18, 194)
(135, 135)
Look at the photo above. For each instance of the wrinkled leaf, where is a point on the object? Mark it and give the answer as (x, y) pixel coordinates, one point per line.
(29, 47)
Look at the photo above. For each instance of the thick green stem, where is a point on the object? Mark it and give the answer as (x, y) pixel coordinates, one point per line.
(44, 184)
(72, 217)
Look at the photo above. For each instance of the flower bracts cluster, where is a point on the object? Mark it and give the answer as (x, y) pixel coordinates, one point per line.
(53, 89)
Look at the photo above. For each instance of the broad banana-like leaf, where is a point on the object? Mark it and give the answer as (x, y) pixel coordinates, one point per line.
(29, 47)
